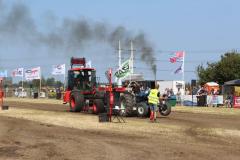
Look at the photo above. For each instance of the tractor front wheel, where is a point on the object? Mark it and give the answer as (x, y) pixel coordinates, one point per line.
(142, 109)
(76, 102)
(99, 106)
(165, 109)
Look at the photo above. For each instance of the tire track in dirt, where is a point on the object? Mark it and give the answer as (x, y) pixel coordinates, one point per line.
(39, 106)
(40, 141)
(203, 128)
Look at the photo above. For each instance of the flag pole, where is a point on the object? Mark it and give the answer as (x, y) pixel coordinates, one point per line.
(131, 57)
(64, 83)
(183, 76)
(22, 84)
(40, 87)
(119, 61)
(64, 80)
(131, 61)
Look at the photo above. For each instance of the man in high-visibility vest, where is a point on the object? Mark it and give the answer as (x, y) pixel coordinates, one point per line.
(153, 101)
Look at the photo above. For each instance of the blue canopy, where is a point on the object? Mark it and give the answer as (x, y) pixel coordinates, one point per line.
(235, 82)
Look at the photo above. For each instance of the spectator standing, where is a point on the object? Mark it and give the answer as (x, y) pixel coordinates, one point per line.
(229, 101)
(171, 92)
(187, 92)
(201, 91)
(178, 96)
(166, 91)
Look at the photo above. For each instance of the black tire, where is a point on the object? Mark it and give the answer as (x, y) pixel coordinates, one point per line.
(76, 102)
(165, 109)
(127, 104)
(99, 105)
(142, 109)
(100, 94)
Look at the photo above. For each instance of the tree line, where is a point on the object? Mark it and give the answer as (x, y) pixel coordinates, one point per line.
(48, 82)
(228, 68)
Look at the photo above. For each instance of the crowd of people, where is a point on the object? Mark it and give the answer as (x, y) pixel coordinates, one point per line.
(227, 102)
(202, 91)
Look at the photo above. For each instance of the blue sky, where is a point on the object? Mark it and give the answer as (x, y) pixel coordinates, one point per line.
(204, 29)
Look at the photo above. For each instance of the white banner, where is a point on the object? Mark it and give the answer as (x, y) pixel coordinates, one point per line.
(3, 73)
(34, 73)
(17, 72)
(210, 100)
(89, 64)
(58, 69)
(214, 99)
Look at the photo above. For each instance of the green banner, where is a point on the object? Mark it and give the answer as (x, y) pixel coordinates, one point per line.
(124, 70)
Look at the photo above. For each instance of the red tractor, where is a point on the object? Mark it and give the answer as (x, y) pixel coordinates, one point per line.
(84, 94)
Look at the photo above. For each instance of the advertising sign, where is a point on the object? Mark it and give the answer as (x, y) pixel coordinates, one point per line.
(58, 69)
(34, 73)
(236, 102)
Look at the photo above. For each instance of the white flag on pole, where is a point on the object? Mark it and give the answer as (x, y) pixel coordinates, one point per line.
(58, 69)
(124, 70)
(89, 64)
(17, 72)
(33, 73)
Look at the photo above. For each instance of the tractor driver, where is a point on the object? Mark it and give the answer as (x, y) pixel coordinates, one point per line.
(87, 80)
(153, 100)
(78, 80)
(87, 84)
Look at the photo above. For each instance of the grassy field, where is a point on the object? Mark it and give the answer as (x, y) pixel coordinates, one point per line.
(196, 132)
(30, 100)
(208, 110)
(133, 126)
(89, 121)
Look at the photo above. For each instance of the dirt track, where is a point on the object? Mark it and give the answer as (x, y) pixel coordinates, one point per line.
(25, 134)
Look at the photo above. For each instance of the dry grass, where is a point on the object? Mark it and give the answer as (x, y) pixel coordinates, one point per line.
(29, 100)
(134, 126)
(141, 127)
(208, 110)
(205, 110)
(217, 132)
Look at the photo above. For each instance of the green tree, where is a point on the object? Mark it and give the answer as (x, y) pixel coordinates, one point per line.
(228, 68)
(58, 84)
(50, 82)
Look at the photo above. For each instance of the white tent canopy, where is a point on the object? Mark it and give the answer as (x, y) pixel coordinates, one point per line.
(212, 84)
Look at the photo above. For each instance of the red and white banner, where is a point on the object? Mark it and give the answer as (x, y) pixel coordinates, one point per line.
(236, 103)
(177, 57)
(17, 72)
(58, 69)
(179, 54)
(34, 73)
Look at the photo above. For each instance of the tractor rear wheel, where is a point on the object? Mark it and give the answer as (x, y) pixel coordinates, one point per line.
(165, 109)
(142, 109)
(99, 105)
(127, 104)
(76, 102)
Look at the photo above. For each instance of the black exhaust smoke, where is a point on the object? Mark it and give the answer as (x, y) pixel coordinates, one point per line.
(69, 34)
